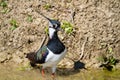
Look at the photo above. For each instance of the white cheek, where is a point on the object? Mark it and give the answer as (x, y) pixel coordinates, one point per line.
(51, 32)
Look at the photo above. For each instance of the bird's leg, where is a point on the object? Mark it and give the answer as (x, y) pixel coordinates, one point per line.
(43, 73)
(53, 75)
(53, 71)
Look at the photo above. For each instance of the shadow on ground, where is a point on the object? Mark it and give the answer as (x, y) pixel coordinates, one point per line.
(71, 71)
(64, 72)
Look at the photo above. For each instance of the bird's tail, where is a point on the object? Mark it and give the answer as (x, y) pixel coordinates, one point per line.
(32, 57)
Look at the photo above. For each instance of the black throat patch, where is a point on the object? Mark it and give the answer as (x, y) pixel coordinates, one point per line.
(55, 45)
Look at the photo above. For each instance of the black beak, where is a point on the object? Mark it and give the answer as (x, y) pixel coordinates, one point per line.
(45, 17)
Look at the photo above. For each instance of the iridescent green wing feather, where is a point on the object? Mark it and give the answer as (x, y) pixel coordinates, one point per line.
(41, 52)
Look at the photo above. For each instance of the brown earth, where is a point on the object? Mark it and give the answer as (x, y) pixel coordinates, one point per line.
(96, 29)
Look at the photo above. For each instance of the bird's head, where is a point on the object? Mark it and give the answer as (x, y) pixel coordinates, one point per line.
(54, 25)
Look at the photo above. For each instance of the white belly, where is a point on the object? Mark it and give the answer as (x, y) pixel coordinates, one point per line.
(53, 59)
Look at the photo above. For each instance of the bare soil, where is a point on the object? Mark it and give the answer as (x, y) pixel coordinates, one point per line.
(96, 29)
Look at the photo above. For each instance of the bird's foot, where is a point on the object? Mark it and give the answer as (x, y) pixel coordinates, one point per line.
(43, 73)
(53, 75)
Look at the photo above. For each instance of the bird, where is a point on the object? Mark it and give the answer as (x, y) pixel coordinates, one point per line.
(53, 52)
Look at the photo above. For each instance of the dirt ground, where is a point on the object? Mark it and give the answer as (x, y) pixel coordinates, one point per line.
(8, 72)
(96, 29)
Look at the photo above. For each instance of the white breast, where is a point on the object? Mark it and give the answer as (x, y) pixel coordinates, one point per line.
(53, 59)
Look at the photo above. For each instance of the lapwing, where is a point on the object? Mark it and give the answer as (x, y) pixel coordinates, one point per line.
(53, 52)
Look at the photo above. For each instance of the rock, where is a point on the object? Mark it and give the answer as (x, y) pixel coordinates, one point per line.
(4, 56)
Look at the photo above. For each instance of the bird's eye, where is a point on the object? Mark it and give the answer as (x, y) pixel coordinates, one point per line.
(55, 26)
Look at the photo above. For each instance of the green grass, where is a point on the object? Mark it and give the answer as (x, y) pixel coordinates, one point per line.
(4, 6)
(29, 18)
(46, 30)
(108, 61)
(5, 10)
(14, 24)
(24, 68)
(67, 27)
(47, 6)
